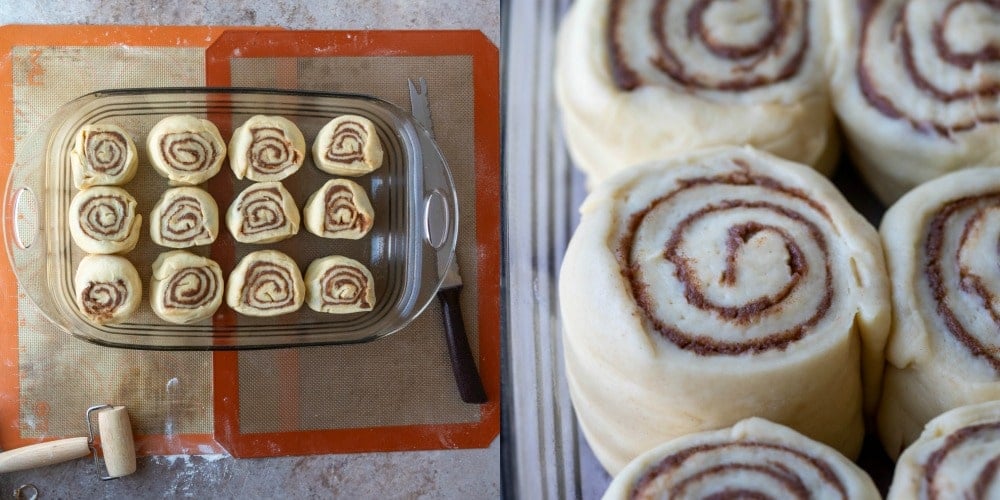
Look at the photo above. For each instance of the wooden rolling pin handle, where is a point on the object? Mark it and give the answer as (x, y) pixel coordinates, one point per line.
(117, 444)
(42, 454)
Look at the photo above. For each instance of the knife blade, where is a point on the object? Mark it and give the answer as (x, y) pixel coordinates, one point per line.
(470, 386)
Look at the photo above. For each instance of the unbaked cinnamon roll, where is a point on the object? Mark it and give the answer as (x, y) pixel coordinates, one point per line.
(186, 288)
(108, 289)
(917, 88)
(265, 283)
(339, 209)
(263, 213)
(103, 220)
(266, 148)
(642, 80)
(957, 456)
(713, 287)
(348, 145)
(339, 285)
(753, 459)
(103, 155)
(186, 149)
(184, 217)
(941, 246)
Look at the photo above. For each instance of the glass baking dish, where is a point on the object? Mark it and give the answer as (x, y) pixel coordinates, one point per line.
(416, 219)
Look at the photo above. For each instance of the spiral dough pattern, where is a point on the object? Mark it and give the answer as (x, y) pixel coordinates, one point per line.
(101, 300)
(339, 285)
(266, 283)
(348, 145)
(184, 217)
(102, 155)
(108, 288)
(103, 220)
(339, 209)
(107, 152)
(186, 149)
(264, 212)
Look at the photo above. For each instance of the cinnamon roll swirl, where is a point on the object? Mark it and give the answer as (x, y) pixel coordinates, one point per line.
(103, 220)
(339, 285)
(709, 288)
(186, 288)
(103, 155)
(266, 148)
(339, 209)
(186, 149)
(941, 246)
(642, 80)
(108, 289)
(917, 88)
(957, 456)
(263, 213)
(265, 283)
(348, 145)
(184, 217)
(753, 459)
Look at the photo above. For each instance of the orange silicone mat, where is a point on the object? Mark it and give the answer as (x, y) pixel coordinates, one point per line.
(274, 402)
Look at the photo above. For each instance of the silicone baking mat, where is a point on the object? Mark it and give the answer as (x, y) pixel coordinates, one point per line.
(393, 394)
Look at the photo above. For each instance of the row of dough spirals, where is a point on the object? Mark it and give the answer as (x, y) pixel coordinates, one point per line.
(709, 282)
(188, 150)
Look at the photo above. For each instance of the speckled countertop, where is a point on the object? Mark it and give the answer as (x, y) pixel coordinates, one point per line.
(435, 474)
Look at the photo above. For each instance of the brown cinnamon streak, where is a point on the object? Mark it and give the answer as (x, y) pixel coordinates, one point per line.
(955, 440)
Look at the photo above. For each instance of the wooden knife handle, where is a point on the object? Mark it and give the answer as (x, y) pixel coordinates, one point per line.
(470, 386)
(42, 454)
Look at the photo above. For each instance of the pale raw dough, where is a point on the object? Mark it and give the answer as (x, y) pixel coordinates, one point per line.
(186, 149)
(184, 217)
(929, 371)
(265, 283)
(266, 148)
(755, 455)
(965, 441)
(265, 212)
(186, 288)
(103, 155)
(108, 289)
(916, 136)
(746, 225)
(103, 220)
(609, 128)
(339, 209)
(339, 285)
(348, 145)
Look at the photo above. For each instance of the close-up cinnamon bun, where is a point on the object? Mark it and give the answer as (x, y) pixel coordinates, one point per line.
(103, 220)
(108, 289)
(339, 209)
(339, 285)
(941, 247)
(641, 80)
(185, 149)
(712, 287)
(184, 217)
(265, 212)
(103, 155)
(266, 148)
(348, 145)
(265, 283)
(754, 459)
(185, 288)
(916, 85)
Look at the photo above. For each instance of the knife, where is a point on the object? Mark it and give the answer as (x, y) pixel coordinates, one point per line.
(470, 386)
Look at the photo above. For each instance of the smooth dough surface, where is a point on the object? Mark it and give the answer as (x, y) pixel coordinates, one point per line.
(108, 289)
(185, 288)
(339, 209)
(184, 217)
(755, 457)
(186, 149)
(717, 286)
(957, 456)
(941, 247)
(632, 90)
(339, 285)
(265, 283)
(916, 88)
(103, 220)
(348, 145)
(266, 148)
(265, 212)
(103, 155)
